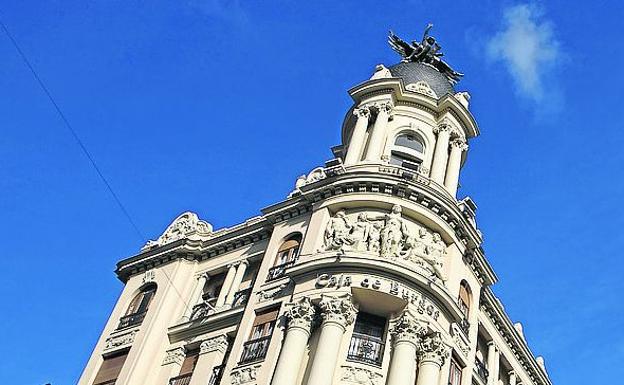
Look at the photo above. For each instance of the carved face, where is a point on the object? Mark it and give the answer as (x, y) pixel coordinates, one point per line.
(363, 217)
(437, 237)
(396, 209)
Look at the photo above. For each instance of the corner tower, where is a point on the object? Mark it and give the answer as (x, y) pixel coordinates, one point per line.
(371, 271)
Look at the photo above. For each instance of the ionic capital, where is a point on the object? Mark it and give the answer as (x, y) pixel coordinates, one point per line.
(362, 112)
(338, 310)
(301, 314)
(408, 329)
(432, 349)
(219, 343)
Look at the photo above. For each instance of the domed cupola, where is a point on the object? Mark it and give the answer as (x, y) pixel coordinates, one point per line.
(418, 75)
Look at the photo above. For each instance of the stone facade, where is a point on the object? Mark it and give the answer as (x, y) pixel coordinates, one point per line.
(377, 231)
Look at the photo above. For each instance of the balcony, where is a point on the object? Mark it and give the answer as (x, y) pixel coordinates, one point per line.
(255, 350)
(184, 379)
(279, 270)
(217, 373)
(482, 372)
(131, 320)
(366, 349)
(464, 325)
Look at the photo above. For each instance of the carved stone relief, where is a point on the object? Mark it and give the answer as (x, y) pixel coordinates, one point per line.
(120, 340)
(390, 236)
(244, 375)
(360, 376)
(271, 293)
(174, 356)
(421, 88)
(313, 176)
(460, 340)
(185, 226)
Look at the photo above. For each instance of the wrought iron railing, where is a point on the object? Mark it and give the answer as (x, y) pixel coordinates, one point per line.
(217, 373)
(278, 271)
(255, 350)
(367, 349)
(481, 370)
(464, 325)
(184, 379)
(131, 320)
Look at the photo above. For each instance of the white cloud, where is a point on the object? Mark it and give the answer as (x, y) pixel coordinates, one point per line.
(528, 48)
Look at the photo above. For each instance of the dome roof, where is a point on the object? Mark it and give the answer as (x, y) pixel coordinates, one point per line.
(418, 72)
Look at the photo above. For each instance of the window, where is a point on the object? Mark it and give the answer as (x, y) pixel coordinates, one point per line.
(109, 371)
(408, 151)
(455, 373)
(464, 300)
(256, 347)
(138, 307)
(367, 342)
(286, 256)
(186, 371)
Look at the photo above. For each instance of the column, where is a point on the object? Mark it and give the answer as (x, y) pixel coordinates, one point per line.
(454, 164)
(440, 154)
(227, 284)
(432, 354)
(211, 353)
(492, 364)
(513, 379)
(376, 138)
(356, 143)
(300, 316)
(405, 335)
(238, 278)
(197, 294)
(171, 365)
(337, 313)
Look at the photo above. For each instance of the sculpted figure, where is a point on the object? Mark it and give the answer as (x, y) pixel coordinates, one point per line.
(360, 233)
(337, 231)
(374, 235)
(393, 233)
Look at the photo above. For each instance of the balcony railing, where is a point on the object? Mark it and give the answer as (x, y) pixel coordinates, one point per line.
(255, 350)
(217, 373)
(366, 349)
(184, 379)
(481, 370)
(131, 320)
(241, 298)
(464, 325)
(278, 271)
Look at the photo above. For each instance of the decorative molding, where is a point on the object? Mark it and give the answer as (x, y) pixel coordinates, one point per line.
(460, 340)
(338, 309)
(244, 375)
(408, 328)
(360, 376)
(149, 276)
(120, 340)
(421, 87)
(362, 112)
(219, 343)
(271, 293)
(315, 175)
(187, 225)
(459, 143)
(174, 356)
(431, 348)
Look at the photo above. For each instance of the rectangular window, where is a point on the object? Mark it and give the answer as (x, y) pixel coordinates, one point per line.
(455, 374)
(186, 371)
(367, 342)
(256, 347)
(110, 369)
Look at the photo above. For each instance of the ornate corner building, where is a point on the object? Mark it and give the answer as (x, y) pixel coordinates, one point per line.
(370, 272)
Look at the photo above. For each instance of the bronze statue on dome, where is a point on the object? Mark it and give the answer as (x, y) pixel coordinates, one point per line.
(426, 51)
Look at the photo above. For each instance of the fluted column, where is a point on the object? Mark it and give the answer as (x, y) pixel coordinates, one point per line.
(354, 151)
(337, 313)
(405, 338)
(211, 354)
(454, 164)
(376, 139)
(432, 354)
(238, 278)
(227, 284)
(197, 294)
(492, 364)
(440, 155)
(300, 316)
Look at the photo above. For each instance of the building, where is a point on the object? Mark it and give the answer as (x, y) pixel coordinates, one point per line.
(370, 272)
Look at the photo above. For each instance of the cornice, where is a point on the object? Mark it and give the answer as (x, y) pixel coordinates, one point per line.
(492, 308)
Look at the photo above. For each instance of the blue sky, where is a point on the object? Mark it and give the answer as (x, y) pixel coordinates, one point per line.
(217, 106)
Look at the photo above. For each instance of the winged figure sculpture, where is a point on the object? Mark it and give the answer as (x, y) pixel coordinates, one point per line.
(426, 51)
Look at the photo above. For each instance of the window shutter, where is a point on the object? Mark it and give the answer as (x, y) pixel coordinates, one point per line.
(190, 360)
(288, 245)
(265, 317)
(110, 368)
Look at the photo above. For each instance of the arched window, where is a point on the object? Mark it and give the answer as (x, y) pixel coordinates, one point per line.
(138, 307)
(465, 298)
(408, 151)
(286, 256)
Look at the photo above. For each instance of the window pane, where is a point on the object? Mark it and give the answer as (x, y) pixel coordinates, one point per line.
(410, 141)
